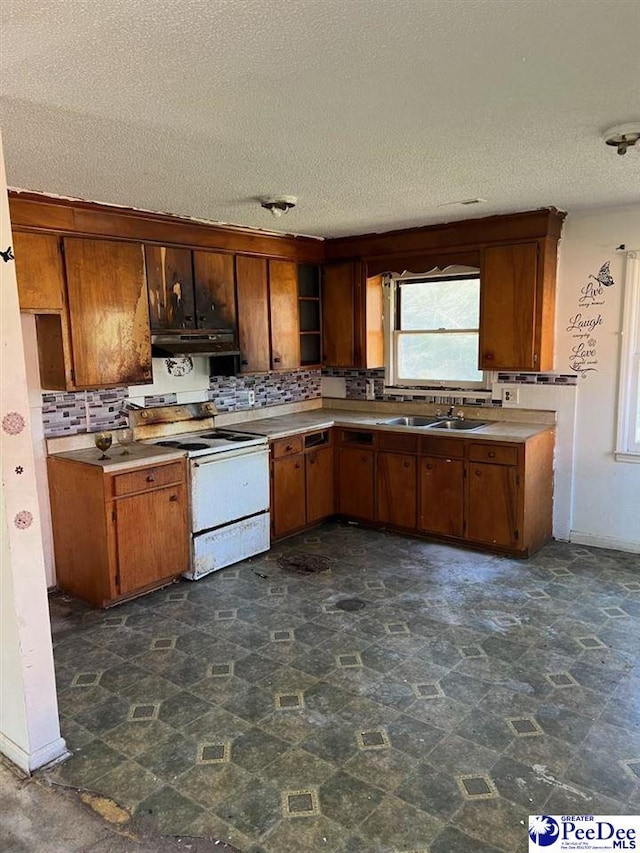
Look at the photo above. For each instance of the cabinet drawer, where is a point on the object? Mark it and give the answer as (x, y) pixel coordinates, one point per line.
(500, 454)
(402, 443)
(437, 446)
(287, 446)
(147, 478)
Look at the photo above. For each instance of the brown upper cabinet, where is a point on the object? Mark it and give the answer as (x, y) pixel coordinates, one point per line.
(190, 290)
(253, 313)
(109, 316)
(269, 312)
(39, 272)
(170, 284)
(215, 293)
(517, 306)
(285, 324)
(90, 302)
(352, 316)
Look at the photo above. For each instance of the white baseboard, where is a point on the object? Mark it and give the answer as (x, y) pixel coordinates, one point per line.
(604, 542)
(28, 762)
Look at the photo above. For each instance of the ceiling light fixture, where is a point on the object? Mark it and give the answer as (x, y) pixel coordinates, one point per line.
(624, 136)
(279, 204)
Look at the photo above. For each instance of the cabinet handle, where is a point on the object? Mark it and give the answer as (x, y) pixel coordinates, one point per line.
(429, 466)
(289, 447)
(478, 473)
(151, 478)
(491, 454)
(244, 361)
(297, 465)
(488, 356)
(407, 464)
(276, 360)
(173, 498)
(188, 317)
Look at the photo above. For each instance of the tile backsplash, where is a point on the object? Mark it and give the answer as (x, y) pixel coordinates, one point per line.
(231, 393)
(355, 383)
(69, 413)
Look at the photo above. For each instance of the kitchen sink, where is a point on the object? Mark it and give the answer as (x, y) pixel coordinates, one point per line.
(455, 423)
(411, 421)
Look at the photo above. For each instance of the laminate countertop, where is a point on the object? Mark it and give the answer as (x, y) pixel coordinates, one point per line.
(300, 422)
(139, 456)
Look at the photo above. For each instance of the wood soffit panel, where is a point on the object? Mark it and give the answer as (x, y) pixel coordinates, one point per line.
(35, 212)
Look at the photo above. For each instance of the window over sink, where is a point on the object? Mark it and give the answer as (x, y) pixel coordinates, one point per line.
(432, 329)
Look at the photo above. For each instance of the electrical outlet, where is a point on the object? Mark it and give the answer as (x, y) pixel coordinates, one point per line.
(510, 396)
(251, 394)
(370, 389)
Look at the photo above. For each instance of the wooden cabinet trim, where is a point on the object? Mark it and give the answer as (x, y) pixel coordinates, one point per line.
(33, 212)
(399, 442)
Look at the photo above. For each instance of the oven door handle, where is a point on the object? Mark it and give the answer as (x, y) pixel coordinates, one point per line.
(221, 457)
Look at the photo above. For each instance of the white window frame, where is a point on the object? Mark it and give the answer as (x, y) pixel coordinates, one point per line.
(627, 448)
(391, 336)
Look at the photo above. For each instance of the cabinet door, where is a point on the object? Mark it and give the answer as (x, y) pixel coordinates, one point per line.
(108, 311)
(152, 537)
(320, 484)
(288, 494)
(338, 315)
(508, 308)
(253, 314)
(356, 483)
(397, 490)
(441, 502)
(214, 283)
(492, 504)
(170, 285)
(285, 326)
(39, 271)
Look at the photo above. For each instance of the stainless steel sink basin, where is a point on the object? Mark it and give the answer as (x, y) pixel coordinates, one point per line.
(411, 421)
(454, 423)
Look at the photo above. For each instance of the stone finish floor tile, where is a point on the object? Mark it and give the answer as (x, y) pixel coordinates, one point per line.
(398, 700)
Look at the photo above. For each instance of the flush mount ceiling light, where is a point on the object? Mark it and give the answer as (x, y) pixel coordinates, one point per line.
(279, 204)
(624, 136)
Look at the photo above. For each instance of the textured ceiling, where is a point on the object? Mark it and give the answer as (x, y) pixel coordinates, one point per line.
(375, 113)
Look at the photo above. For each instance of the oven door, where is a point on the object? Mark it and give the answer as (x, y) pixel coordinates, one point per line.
(229, 486)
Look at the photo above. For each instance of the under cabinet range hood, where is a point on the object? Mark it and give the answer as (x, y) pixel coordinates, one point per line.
(222, 342)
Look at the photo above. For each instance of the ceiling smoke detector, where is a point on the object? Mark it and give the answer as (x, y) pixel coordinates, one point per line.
(279, 204)
(624, 136)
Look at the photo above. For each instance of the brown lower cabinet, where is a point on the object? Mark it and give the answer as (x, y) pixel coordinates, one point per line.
(356, 483)
(302, 482)
(483, 493)
(118, 534)
(320, 485)
(441, 504)
(397, 489)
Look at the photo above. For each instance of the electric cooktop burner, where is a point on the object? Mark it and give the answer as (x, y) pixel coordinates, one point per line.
(228, 436)
(185, 445)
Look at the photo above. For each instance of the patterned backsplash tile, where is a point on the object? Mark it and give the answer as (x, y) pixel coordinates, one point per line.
(231, 393)
(69, 413)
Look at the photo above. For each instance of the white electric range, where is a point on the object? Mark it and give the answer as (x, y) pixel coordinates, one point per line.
(229, 483)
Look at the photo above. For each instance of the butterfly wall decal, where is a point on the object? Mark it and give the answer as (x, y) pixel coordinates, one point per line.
(604, 275)
(8, 255)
